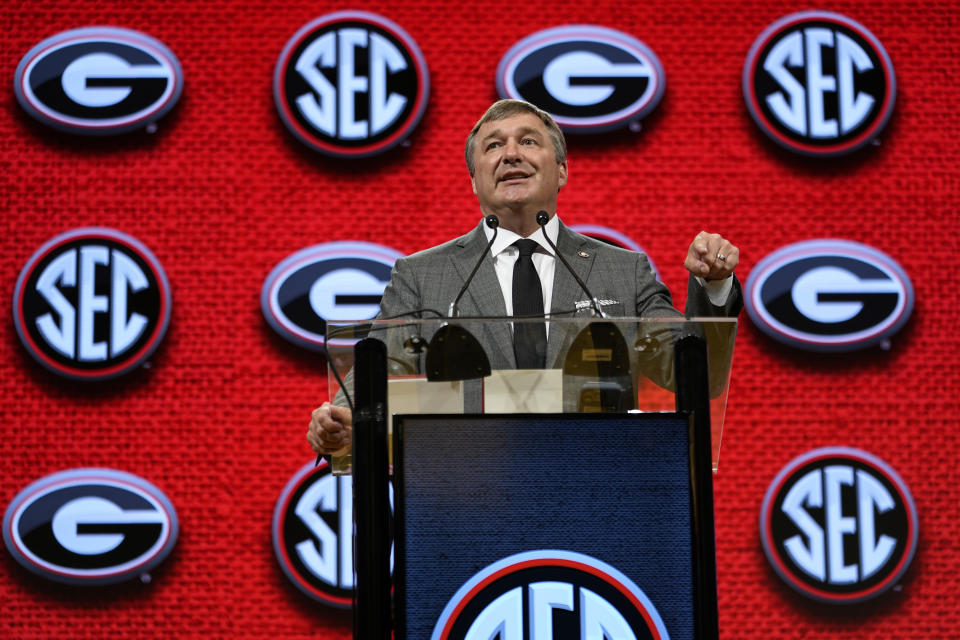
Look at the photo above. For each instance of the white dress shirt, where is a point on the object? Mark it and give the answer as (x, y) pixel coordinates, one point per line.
(505, 257)
(544, 260)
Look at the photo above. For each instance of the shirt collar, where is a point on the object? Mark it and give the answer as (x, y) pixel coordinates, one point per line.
(506, 238)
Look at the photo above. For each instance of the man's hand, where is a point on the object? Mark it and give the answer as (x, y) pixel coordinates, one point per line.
(711, 257)
(330, 428)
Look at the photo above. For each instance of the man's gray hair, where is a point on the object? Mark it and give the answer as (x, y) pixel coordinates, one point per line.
(502, 109)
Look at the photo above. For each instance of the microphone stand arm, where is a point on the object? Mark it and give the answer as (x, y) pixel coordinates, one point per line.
(542, 220)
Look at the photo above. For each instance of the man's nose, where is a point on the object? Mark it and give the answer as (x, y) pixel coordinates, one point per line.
(511, 151)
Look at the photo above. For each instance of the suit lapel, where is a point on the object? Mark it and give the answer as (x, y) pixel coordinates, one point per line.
(566, 291)
(484, 297)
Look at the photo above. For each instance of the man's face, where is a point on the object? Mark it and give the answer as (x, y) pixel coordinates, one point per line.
(516, 166)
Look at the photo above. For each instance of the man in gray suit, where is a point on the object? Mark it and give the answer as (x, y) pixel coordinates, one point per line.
(516, 156)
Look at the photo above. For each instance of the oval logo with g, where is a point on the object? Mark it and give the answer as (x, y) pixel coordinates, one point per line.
(588, 78)
(829, 295)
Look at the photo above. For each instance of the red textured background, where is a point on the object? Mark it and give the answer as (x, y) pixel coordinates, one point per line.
(222, 193)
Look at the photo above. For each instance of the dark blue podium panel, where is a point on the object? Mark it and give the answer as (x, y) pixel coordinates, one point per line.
(473, 491)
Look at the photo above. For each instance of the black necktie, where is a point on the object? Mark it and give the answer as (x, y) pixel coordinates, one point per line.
(529, 338)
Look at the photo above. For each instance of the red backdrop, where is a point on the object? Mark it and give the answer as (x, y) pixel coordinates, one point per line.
(222, 192)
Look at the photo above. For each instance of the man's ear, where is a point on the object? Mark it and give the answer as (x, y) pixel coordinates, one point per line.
(473, 183)
(562, 175)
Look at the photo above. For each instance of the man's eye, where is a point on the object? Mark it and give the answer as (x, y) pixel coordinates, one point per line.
(493, 145)
(528, 141)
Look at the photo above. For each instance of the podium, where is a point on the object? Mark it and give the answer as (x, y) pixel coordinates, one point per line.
(570, 502)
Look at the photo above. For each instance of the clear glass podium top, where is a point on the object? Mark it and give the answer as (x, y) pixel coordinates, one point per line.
(467, 365)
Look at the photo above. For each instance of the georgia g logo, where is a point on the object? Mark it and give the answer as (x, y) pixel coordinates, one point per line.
(828, 295)
(92, 304)
(90, 527)
(532, 595)
(98, 80)
(313, 534)
(351, 84)
(819, 83)
(332, 281)
(588, 78)
(839, 525)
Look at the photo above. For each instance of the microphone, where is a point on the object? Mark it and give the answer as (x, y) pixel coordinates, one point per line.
(604, 378)
(453, 352)
(493, 222)
(542, 219)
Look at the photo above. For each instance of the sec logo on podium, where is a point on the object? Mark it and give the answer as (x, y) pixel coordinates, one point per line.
(532, 595)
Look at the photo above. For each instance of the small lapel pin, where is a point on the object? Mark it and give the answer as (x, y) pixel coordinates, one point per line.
(583, 254)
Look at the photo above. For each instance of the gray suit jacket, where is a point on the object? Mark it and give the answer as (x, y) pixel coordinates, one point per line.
(622, 279)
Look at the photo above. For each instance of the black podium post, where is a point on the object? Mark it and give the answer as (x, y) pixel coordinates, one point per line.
(371, 612)
(693, 397)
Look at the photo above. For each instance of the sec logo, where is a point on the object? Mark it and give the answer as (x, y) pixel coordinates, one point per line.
(351, 84)
(91, 304)
(90, 527)
(588, 78)
(313, 534)
(819, 83)
(98, 80)
(332, 281)
(539, 594)
(828, 295)
(839, 525)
